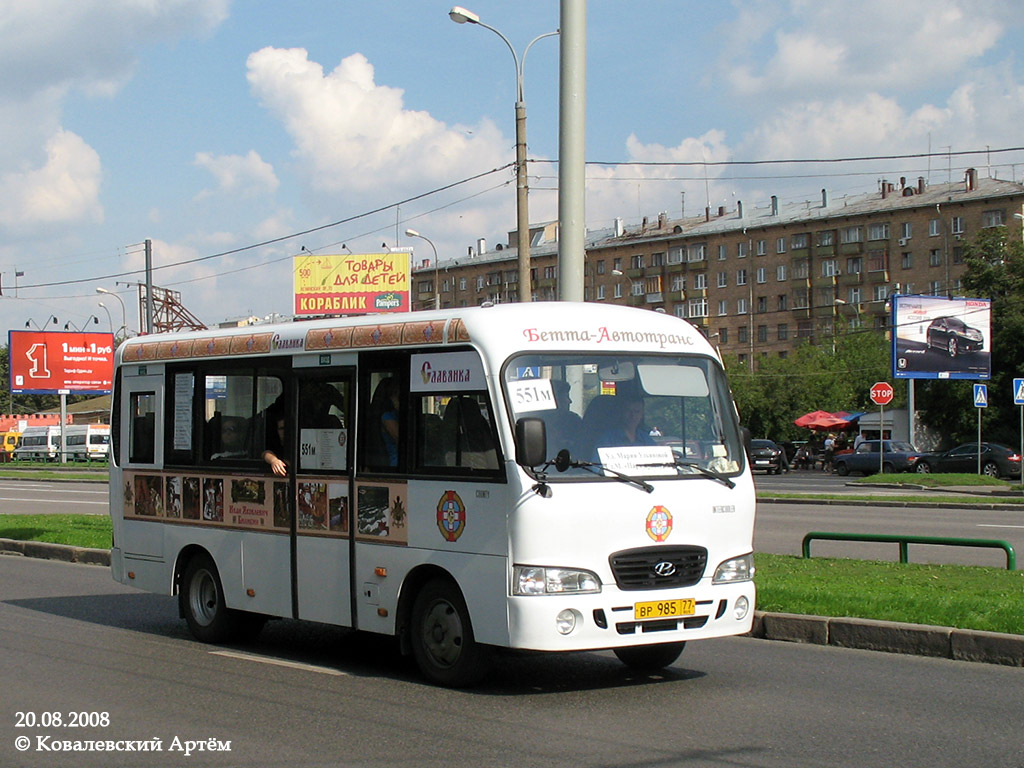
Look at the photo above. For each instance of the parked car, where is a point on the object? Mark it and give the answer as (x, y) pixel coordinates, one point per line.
(871, 455)
(996, 460)
(765, 455)
(954, 336)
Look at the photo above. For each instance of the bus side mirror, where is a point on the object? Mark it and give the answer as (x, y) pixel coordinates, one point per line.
(746, 438)
(531, 442)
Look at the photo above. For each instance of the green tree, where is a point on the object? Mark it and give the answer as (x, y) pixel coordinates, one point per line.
(812, 378)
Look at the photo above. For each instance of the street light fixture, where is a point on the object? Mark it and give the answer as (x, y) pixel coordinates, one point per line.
(110, 320)
(437, 287)
(124, 315)
(461, 15)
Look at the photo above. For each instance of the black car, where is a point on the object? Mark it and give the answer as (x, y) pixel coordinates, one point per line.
(954, 336)
(766, 455)
(996, 460)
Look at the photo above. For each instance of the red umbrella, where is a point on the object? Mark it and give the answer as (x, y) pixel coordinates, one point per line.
(821, 420)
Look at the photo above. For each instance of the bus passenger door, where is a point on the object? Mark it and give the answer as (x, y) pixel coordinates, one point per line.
(322, 468)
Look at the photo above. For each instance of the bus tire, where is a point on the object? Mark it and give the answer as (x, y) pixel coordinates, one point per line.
(442, 637)
(649, 658)
(202, 601)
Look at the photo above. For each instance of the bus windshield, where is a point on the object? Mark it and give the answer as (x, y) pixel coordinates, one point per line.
(642, 415)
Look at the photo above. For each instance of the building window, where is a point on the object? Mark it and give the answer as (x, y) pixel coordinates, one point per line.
(783, 331)
(801, 269)
(993, 218)
(723, 335)
(600, 266)
(678, 282)
(675, 255)
(617, 264)
(762, 275)
(906, 230)
(723, 279)
(762, 304)
(881, 292)
(762, 247)
(780, 272)
(958, 254)
(800, 300)
(800, 241)
(462, 283)
(851, 235)
(600, 292)
(480, 282)
(700, 281)
(697, 252)
(638, 289)
(934, 227)
(638, 261)
(741, 306)
(878, 232)
(877, 261)
(782, 302)
(699, 307)
(935, 257)
(855, 265)
(741, 277)
(741, 250)
(828, 268)
(657, 259)
(780, 245)
(722, 252)
(907, 260)
(723, 308)
(762, 333)
(825, 238)
(679, 310)
(741, 334)
(618, 290)
(856, 295)
(935, 288)
(958, 225)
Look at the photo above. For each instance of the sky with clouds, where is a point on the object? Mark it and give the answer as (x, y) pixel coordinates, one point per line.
(211, 126)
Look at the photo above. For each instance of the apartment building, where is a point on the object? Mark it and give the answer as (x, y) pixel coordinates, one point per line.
(761, 280)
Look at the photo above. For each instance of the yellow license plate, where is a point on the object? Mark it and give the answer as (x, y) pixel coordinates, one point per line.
(665, 609)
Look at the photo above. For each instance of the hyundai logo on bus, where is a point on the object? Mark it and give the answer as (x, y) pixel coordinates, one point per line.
(665, 568)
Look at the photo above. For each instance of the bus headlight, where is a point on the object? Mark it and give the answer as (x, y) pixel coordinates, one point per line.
(737, 569)
(534, 580)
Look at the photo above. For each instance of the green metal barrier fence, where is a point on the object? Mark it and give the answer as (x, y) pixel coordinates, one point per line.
(904, 541)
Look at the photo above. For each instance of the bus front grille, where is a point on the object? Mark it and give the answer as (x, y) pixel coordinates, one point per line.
(658, 567)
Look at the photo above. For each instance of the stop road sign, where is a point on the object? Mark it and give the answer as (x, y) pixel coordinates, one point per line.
(881, 393)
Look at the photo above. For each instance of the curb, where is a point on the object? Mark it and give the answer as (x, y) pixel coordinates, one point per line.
(892, 637)
(944, 504)
(864, 634)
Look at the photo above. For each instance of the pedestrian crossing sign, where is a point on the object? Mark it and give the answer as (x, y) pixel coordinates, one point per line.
(1018, 391)
(980, 396)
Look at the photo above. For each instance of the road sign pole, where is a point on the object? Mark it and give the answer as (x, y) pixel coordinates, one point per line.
(881, 438)
(979, 440)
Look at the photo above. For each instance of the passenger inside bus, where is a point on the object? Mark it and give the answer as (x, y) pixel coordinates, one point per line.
(564, 426)
(382, 439)
(275, 431)
(234, 437)
(469, 440)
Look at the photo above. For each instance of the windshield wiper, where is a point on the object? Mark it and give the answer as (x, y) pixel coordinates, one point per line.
(694, 465)
(564, 461)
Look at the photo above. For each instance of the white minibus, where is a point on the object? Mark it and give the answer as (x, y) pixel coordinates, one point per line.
(40, 443)
(87, 442)
(545, 476)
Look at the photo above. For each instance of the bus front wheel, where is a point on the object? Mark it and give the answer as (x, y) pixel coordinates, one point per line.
(649, 658)
(442, 637)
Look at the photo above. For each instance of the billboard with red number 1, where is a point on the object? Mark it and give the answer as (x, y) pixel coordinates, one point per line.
(55, 362)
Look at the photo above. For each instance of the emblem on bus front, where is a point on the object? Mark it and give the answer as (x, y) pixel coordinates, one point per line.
(451, 516)
(659, 523)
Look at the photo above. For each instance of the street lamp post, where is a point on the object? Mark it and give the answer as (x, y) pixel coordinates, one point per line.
(124, 314)
(437, 286)
(460, 15)
(110, 320)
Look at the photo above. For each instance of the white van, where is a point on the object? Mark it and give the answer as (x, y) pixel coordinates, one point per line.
(87, 442)
(39, 444)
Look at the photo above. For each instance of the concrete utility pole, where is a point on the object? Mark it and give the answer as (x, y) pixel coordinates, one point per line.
(149, 286)
(572, 105)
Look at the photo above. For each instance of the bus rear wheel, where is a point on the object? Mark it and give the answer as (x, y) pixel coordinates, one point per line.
(202, 602)
(442, 637)
(649, 658)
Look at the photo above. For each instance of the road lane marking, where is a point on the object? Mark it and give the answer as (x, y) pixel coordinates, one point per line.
(993, 525)
(53, 501)
(280, 663)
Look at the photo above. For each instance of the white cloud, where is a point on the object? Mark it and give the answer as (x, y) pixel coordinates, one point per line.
(244, 175)
(64, 189)
(353, 136)
(833, 45)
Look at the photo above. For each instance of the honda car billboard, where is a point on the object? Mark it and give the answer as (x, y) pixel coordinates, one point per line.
(939, 338)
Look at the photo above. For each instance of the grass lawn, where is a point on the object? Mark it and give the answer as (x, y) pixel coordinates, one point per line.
(965, 597)
(92, 531)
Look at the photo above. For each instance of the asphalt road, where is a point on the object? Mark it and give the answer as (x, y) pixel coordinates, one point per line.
(29, 497)
(304, 696)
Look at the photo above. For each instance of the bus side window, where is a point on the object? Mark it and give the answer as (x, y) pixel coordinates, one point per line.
(142, 439)
(383, 440)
